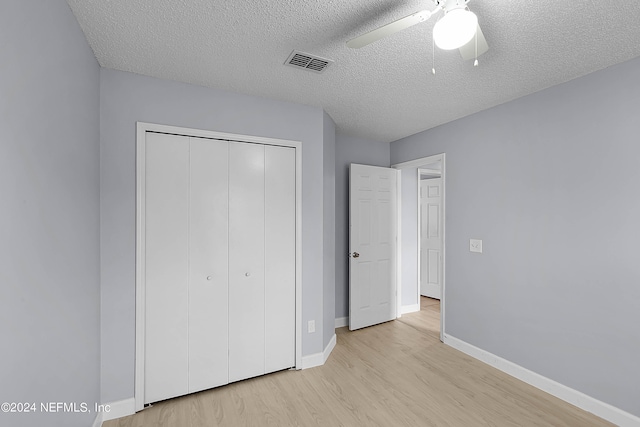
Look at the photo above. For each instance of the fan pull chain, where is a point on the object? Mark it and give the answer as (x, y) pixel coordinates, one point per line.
(433, 55)
(475, 63)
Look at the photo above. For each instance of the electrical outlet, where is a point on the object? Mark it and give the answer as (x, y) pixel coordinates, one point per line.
(311, 327)
(475, 245)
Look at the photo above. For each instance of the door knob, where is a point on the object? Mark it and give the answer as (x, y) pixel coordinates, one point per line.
(356, 255)
(209, 277)
(247, 274)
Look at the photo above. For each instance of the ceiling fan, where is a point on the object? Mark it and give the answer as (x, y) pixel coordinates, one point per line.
(457, 29)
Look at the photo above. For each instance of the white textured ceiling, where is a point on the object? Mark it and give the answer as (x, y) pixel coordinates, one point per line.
(384, 91)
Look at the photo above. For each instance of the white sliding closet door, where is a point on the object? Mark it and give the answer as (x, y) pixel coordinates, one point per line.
(167, 267)
(208, 264)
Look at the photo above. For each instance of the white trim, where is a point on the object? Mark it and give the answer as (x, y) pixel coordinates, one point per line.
(140, 267)
(419, 227)
(201, 133)
(569, 395)
(342, 322)
(399, 246)
(427, 171)
(97, 422)
(397, 284)
(416, 164)
(319, 359)
(444, 245)
(141, 129)
(117, 409)
(329, 348)
(298, 147)
(411, 308)
(312, 360)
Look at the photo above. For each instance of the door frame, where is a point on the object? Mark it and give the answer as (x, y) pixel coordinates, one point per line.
(417, 163)
(142, 129)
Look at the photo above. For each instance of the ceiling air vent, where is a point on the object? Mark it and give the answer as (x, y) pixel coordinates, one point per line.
(309, 62)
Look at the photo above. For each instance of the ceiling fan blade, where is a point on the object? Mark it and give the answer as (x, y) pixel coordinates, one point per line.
(468, 51)
(389, 29)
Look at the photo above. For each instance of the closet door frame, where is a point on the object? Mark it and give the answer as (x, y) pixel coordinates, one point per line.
(142, 129)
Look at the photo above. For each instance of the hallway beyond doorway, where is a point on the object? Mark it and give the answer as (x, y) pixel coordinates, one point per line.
(427, 319)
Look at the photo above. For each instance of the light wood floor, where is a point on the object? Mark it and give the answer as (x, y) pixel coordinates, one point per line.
(394, 374)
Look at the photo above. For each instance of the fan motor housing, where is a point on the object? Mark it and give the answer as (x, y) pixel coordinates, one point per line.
(448, 5)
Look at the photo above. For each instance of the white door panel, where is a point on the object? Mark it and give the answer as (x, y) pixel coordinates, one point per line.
(167, 266)
(372, 282)
(280, 257)
(208, 264)
(431, 237)
(246, 261)
(219, 268)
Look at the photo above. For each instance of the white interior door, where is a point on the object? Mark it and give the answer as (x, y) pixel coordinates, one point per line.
(431, 237)
(372, 245)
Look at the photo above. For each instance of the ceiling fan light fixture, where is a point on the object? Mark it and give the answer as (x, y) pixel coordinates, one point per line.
(455, 29)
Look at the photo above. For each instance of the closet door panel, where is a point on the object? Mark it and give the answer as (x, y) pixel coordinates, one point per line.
(167, 266)
(280, 256)
(246, 261)
(208, 264)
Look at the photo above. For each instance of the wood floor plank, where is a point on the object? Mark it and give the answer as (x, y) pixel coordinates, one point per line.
(394, 374)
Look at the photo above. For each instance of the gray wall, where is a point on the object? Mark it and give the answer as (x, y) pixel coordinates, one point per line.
(126, 98)
(350, 150)
(329, 230)
(557, 287)
(49, 273)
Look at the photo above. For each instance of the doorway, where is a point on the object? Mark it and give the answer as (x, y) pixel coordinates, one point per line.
(427, 319)
(430, 231)
(423, 261)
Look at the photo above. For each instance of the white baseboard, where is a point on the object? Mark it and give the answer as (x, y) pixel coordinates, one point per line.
(98, 421)
(342, 321)
(312, 360)
(113, 410)
(318, 359)
(574, 397)
(329, 348)
(412, 308)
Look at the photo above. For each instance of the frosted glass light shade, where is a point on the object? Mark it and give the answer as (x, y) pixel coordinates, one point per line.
(455, 29)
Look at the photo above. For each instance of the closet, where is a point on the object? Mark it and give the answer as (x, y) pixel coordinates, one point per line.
(219, 262)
